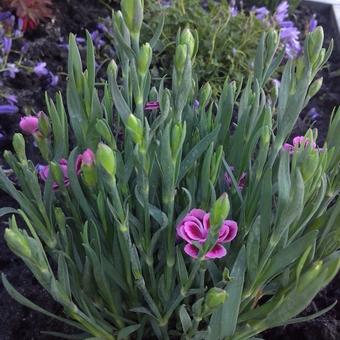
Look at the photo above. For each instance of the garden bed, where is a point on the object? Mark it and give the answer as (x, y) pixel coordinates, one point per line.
(21, 323)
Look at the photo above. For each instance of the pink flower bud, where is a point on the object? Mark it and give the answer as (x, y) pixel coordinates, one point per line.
(86, 158)
(29, 124)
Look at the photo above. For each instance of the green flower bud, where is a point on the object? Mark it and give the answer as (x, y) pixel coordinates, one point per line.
(219, 211)
(188, 39)
(19, 147)
(106, 157)
(314, 44)
(144, 59)
(310, 163)
(177, 138)
(104, 131)
(112, 69)
(153, 95)
(315, 87)
(135, 128)
(18, 242)
(57, 174)
(214, 298)
(205, 94)
(89, 175)
(180, 58)
(133, 14)
(44, 124)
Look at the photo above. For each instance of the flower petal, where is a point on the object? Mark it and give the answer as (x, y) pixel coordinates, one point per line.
(191, 250)
(217, 252)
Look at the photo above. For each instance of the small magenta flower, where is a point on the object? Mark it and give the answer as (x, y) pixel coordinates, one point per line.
(153, 105)
(194, 228)
(298, 142)
(40, 69)
(86, 158)
(29, 124)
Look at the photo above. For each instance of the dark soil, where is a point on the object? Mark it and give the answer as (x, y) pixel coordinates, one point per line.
(20, 323)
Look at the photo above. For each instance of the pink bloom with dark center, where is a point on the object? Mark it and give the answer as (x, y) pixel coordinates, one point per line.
(195, 228)
(153, 105)
(29, 124)
(298, 141)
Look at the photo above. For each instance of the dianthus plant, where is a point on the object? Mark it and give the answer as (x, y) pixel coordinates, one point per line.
(160, 214)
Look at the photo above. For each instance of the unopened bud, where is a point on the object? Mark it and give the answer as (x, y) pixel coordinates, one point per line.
(180, 58)
(144, 59)
(315, 87)
(107, 159)
(205, 94)
(44, 124)
(214, 298)
(19, 147)
(314, 44)
(219, 211)
(112, 69)
(57, 173)
(177, 138)
(18, 242)
(133, 14)
(135, 128)
(188, 39)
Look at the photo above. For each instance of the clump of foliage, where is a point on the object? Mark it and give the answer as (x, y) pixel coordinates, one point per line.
(30, 11)
(164, 213)
(228, 42)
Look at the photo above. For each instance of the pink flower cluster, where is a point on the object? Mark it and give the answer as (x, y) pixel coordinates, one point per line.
(299, 141)
(86, 158)
(195, 228)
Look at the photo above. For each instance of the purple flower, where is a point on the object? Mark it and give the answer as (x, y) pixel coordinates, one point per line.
(289, 36)
(12, 70)
(233, 8)
(97, 39)
(25, 47)
(11, 98)
(54, 79)
(313, 113)
(261, 12)
(6, 45)
(153, 105)
(313, 23)
(40, 69)
(8, 109)
(194, 228)
(196, 104)
(241, 183)
(5, 15)
(281, 12)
